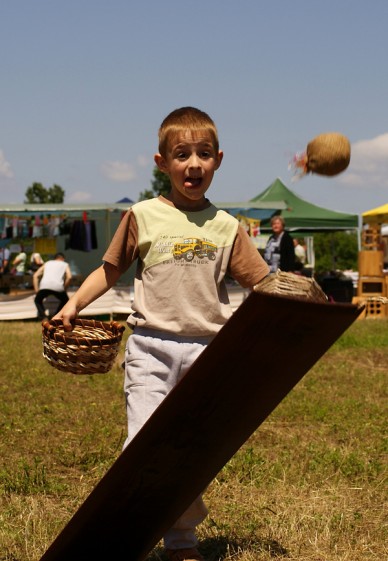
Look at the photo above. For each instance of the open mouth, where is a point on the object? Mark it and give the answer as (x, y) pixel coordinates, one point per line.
(192, 182)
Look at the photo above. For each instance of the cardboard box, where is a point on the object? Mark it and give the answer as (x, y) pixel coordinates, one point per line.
(370, 263)
(371, 286)
(375, 309)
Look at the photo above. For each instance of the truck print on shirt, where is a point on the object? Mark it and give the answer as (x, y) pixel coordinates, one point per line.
(194, 247)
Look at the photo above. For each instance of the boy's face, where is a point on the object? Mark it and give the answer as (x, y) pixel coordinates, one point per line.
(190, 163)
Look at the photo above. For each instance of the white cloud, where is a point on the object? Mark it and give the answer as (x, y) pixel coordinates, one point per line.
(352, 179)
(118, 171)
(79, 197)
(5, 166)
(369, 163)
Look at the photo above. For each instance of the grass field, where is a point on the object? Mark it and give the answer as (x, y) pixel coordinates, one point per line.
(309, 485)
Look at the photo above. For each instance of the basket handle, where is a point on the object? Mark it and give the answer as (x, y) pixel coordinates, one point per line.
(47, 326)
(52, 324)
(118, 326)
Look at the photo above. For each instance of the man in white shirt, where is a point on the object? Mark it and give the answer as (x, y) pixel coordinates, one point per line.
(56, 276)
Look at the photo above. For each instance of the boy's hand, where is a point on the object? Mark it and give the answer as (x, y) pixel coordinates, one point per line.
(67, 315)
(96, 284)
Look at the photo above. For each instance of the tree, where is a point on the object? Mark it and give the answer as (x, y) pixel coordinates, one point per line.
(335, 251)
(37, 194)
(56, 194)
(160, 185)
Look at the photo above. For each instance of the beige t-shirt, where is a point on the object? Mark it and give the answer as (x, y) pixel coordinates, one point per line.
(182, 261)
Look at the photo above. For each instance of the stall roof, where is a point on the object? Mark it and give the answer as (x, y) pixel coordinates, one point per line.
(59, 208)
(259, 210)
(267, 205)
(377, 215)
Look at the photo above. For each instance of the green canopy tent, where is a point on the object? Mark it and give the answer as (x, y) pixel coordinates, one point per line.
(302, 216)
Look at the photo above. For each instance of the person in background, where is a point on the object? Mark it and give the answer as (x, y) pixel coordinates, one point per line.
(36, 261)
(19, 263)
(179, 304)
(279, 252)
(300, 252)
(300, 256)
(56, 276)
(4, 260)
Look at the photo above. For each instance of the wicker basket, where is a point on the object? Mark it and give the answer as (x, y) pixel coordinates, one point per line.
(91, 348)
(291, 285)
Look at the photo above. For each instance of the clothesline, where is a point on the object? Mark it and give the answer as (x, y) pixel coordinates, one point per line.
(39, 225)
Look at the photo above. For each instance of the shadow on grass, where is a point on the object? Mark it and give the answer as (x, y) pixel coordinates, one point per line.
(222, 548)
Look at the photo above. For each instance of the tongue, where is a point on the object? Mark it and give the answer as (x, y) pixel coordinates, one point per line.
(192, 182)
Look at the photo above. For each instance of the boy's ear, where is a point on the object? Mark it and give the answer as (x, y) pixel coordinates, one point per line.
(219, 158)
(160, 162)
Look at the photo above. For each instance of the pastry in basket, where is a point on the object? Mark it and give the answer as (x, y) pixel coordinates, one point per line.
(327, 154)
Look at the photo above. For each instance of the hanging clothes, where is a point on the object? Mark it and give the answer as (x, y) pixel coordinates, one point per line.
(83, 235)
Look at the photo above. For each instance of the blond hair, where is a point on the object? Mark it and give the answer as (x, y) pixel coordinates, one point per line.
(186, 118)
(279, 218)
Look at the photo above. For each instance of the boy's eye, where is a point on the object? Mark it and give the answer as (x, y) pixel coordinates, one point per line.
(181, 155)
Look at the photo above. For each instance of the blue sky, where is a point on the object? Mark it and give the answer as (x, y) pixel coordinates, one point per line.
(86, 83)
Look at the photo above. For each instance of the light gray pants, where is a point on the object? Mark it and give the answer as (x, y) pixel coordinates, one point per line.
(154, 363)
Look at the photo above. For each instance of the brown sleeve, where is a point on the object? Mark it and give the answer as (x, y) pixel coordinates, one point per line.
(246, 265)
(123, 250)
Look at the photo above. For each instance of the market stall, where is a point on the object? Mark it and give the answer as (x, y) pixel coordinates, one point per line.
(373, 262)
(81, 232)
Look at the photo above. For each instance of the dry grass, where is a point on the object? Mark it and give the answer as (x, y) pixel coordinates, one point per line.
(308, 485)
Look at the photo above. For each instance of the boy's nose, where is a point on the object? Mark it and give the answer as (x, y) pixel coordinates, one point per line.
(194, 161)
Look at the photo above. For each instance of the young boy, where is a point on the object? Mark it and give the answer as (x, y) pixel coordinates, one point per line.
(184, 246)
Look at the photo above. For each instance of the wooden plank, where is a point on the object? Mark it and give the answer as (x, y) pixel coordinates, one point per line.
(252, 364)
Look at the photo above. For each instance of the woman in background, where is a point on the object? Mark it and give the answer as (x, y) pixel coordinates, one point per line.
(279, 252)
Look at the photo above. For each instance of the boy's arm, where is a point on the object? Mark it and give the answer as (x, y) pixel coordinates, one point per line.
(246, 265)
(94, 286)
